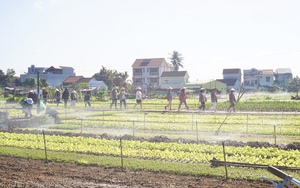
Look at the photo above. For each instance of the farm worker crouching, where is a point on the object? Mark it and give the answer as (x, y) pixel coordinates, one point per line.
(27, 105)
(87, 98)
(122, 97)
(138, 97)
(202, 99)
(214, 99)
(182, 99)
(169, 98)
(33, 96)
(232, 100)
(65, 97)
(73, 99)
(114, 98)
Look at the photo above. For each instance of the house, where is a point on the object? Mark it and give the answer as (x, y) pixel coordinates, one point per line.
(282, 77)
(147, 72)
(174, 79)
(54, 75)
(251, 79)
(232, 78)
(207, 84)
(72, 79)
(232, 74)
(266, 78)
(94, 85)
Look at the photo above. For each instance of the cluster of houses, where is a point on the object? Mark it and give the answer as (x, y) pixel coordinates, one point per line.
(158, 74)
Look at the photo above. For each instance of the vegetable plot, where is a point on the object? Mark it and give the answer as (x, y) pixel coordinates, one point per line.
(185, 153)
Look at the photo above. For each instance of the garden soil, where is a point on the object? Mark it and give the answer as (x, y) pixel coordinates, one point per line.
(19, 172)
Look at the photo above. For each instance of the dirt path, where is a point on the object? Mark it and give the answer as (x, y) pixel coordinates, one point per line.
(17, 172)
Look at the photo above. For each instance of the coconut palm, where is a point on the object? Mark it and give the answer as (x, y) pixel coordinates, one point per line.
(176, 59)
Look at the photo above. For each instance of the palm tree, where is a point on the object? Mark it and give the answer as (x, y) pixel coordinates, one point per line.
(176, 59)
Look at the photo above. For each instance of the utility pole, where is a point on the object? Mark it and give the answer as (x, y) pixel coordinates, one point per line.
(38, 93)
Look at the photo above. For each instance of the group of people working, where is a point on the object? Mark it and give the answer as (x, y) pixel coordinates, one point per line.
(202, 99)
(65, 96)
(122, 97)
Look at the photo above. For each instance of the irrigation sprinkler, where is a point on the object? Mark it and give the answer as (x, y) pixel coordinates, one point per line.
(145, 113)
(218, 130)
(121, 149)
(197, 131)
(81, 118)
(286, 178)
(45, 146)
(274, 132)
(133, 127)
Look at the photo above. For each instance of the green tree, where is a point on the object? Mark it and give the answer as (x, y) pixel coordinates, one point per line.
(112, 77)
(2, 78)
(43, 82)
(30, 81)
(294, 85)
(176, 59)
(10, 75)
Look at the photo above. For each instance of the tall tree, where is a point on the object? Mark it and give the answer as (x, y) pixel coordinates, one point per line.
(176, 59)
(30, 81)
(10, 75)
(2, 78)
(43, 82)
(111, 77)
(294, 85)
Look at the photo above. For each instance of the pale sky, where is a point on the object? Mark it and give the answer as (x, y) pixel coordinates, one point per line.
(210, 34)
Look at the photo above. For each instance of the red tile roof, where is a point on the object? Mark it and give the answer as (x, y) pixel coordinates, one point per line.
(72, 79)
(267, 72)
(152, 62)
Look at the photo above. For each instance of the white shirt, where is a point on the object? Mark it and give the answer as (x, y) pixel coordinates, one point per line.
(138, 95)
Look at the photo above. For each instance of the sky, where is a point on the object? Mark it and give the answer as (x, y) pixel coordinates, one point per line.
(211, 35)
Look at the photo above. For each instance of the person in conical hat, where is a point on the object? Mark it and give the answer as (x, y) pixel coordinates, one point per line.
(138, 97)
(214, 98)
(122, 97)
(232, 100)
(169, 98)
(182, 98)
(202, 99)
(27, 105)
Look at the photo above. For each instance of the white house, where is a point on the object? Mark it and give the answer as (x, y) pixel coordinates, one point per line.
(174, 79)
(251, 78)
(266, 78)
(147, 72)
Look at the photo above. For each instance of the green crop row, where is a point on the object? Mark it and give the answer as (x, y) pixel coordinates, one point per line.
(186, 153)
(287, 124)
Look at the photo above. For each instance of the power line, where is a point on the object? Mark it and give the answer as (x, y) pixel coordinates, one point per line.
(254, 57)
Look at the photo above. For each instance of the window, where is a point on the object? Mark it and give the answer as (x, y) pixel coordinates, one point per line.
(137, 72)
(153, 71)
(268, 79)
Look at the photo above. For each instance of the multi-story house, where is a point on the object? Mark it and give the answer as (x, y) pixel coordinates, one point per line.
(232, 78)
(54, 75)
(251, 78)
(147, 72)
(282, 77)
(266, 78)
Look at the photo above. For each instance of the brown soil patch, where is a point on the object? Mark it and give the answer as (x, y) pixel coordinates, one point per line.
(18, 172)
